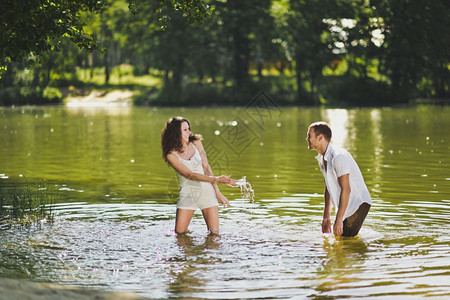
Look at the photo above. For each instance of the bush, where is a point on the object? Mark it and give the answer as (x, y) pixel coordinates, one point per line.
(145, 96)
(29, 96)
(198, 94)
(52, 94)
(359, 91)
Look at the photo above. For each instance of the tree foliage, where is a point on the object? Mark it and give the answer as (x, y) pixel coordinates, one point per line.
(36, 26)
(362, 52)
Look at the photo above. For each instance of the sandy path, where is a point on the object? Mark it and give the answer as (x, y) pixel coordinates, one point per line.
(101, 98)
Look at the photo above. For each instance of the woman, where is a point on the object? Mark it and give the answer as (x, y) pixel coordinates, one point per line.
(184, 152)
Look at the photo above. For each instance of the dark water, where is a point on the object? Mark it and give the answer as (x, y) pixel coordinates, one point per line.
(115, 214)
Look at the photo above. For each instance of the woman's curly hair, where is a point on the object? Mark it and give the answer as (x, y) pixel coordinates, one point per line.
(171, 136)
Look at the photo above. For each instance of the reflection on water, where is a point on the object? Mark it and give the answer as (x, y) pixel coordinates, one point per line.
(344, 258)
(187, 279)
(338, 120)
(115, 218)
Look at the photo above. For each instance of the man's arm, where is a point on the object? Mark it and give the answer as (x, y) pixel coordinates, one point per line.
(326, 223)
(344, 183)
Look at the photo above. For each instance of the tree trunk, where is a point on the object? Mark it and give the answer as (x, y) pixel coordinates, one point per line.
(91, 65)
(298, 77)
(106, 64)
(49, 69)
(241, 55)
(36, 80)
(177, 76)
(313, 87)
(260, 68)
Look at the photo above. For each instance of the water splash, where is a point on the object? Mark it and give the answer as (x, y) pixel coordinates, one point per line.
(246, 189)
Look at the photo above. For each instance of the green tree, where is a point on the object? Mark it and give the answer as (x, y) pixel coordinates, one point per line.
(312, 43)
(416, 46)
(241, 20)
(36, 26)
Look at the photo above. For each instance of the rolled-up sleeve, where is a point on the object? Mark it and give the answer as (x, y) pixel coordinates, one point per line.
(341, 165)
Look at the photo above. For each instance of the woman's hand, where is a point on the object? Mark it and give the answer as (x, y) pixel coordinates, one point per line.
(222, 199)
(224, 179)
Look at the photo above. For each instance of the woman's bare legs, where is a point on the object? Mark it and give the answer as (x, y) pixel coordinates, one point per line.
(182, 219)
(211, 216)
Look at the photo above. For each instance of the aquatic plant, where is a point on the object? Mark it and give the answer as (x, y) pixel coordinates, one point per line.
(26, 206)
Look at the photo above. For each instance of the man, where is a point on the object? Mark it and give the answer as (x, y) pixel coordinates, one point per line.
(344, 185)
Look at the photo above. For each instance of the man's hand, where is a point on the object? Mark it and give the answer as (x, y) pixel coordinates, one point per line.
(338, 228)
(326, 225)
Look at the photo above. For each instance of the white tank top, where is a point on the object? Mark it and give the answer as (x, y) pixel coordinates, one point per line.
(194, 164)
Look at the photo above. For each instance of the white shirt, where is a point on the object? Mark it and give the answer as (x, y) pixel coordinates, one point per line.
(340, 162)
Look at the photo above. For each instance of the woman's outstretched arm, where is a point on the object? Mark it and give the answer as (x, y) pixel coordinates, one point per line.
(183, 170)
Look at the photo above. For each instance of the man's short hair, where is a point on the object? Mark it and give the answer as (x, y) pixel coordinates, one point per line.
(322, 128)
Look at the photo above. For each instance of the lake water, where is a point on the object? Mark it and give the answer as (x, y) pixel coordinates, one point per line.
(115, 212)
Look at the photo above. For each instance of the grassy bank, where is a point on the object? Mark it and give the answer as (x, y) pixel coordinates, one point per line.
(333, 88)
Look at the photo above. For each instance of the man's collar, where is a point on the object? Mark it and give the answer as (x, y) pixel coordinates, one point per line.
(327, 153)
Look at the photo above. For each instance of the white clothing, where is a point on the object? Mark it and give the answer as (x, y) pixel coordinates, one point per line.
(340, 162)
(195, 194)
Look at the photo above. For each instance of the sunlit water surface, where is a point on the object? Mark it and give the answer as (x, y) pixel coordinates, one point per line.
(114, 221)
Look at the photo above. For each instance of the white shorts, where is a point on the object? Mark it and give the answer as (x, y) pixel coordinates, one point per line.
(197, 194)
